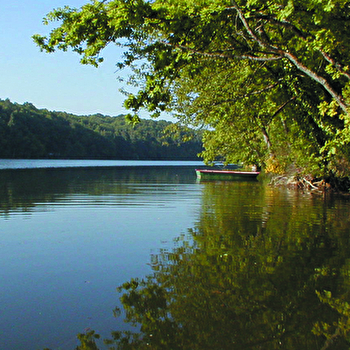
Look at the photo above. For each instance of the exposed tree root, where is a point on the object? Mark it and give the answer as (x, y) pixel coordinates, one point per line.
(309, 183)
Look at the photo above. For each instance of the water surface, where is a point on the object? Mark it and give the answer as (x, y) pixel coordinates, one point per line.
(70, 236)
(229, 264)
(74, 163)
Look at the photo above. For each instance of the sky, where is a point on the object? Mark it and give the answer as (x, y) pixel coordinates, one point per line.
(55, 81)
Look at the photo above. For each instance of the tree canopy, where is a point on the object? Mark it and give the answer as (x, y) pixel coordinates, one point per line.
(269, 81)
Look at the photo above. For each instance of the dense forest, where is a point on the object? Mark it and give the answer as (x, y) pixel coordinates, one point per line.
(28, 132)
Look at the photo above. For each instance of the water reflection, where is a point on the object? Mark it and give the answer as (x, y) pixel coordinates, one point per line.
(70, 236)
(23, 190)
(263, 270)
(258, 268)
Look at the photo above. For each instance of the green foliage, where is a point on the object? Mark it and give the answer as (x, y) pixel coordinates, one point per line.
(339, 328)
(27, 132)
(269, 80)
(88, 341)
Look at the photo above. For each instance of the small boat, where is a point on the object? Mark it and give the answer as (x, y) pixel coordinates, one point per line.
(208, 174)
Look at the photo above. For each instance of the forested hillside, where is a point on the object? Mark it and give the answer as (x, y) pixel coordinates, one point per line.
(28, 132)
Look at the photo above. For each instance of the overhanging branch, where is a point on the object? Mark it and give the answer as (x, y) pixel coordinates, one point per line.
(223, 55)
(257, 92)
(292, 58)
(280, 108)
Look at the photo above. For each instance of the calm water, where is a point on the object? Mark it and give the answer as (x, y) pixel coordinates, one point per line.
(229, 264)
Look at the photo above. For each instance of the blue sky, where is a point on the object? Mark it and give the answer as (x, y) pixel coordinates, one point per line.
(54, 81)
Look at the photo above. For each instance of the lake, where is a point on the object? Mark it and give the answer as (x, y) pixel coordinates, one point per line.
(201, 265)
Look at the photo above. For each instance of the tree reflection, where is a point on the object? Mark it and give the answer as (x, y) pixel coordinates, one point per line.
(251, 274)
(261, 278)
(22, 190)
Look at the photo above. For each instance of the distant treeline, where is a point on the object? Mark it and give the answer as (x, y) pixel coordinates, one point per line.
(28, 132)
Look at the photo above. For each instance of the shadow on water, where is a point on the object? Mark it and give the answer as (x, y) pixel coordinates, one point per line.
(260, 269)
